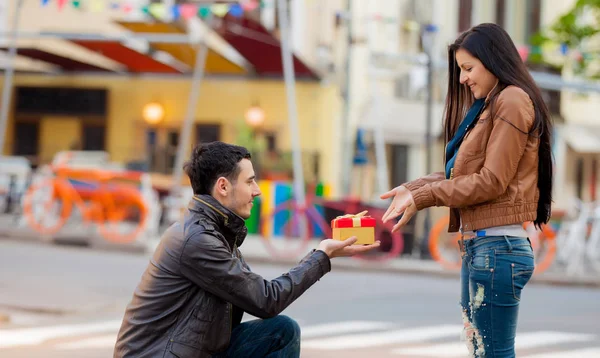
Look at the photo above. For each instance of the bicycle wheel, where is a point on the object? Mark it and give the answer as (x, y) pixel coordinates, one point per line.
(293, 237)
(391, 244)
(47, 206)
(443, 246)
(124, 214)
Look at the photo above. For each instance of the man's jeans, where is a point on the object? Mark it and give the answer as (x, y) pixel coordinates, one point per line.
(494, 271)
(277, 337)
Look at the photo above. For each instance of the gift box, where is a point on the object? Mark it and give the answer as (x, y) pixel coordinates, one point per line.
(359, 225)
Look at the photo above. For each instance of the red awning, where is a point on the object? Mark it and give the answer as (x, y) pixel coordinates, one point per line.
(259, 47)
(65, 63)
(135, 61)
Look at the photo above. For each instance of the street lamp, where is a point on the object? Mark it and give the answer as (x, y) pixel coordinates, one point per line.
(255, 116)
(153, 113)
(428, 39)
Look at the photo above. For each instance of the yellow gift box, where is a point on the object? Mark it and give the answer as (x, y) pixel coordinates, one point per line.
(359, 225)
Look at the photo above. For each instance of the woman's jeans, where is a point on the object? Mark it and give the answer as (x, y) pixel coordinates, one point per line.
(494, 271)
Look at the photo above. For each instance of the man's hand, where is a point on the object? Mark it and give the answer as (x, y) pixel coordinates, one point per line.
(337, 248)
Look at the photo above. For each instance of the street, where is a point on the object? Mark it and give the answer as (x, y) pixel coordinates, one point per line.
(65, 301)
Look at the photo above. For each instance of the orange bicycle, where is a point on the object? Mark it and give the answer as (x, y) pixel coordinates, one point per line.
(98, 197)
(443, 246)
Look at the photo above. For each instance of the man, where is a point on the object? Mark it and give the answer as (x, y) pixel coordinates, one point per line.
(192, 296)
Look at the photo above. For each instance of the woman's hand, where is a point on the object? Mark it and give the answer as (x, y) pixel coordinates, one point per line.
(403, 203)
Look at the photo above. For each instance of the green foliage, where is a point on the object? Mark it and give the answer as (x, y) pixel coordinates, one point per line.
(575, 29)
(246, 137)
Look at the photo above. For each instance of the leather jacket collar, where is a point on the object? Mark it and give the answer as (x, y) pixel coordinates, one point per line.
(231, 225)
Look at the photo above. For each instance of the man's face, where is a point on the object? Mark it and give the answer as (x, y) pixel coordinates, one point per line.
(243, 190)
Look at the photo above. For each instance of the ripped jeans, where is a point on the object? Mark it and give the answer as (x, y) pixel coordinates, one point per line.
(494, 271)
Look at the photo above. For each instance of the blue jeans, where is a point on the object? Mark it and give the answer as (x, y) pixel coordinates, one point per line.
(494, 271)
(277, 337)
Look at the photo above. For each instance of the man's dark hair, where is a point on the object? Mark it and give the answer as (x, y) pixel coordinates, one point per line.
(210, 161)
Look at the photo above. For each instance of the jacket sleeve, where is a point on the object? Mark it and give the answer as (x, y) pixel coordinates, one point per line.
(207, 262)
(431, 178)
(508, 139)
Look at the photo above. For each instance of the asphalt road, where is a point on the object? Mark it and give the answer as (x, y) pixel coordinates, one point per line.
(68, 302)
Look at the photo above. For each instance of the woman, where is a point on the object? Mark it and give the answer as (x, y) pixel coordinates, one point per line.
(498, 175)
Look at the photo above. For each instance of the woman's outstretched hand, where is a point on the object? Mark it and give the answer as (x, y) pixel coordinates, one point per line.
(403, 203)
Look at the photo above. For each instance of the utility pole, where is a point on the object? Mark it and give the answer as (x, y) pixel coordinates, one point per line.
(8, 76)
(346, 153)
(428, 33)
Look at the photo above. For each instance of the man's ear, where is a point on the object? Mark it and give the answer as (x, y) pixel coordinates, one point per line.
(222, 186)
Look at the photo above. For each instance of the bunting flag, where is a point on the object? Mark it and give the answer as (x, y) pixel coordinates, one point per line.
(162, 11)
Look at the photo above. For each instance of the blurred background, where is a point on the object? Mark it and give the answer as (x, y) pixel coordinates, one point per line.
(337, 100)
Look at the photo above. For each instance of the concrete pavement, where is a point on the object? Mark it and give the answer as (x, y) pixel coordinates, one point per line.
(347, 313)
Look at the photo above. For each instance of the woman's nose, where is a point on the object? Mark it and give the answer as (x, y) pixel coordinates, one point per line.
(462, 79)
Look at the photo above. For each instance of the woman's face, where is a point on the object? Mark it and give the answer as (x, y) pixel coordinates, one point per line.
(474, 74)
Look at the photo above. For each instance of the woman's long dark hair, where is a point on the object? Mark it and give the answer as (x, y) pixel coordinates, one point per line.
(495, 49)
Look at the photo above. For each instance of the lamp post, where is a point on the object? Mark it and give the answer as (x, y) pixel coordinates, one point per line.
(428, 34)
(152, 113)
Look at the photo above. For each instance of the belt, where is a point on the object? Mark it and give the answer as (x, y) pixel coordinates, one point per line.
(472, 234)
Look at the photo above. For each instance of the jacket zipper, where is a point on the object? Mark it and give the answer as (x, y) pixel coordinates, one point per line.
(230, 305)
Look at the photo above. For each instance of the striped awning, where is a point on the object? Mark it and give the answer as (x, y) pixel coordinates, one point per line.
(215, 62)
(135, 61)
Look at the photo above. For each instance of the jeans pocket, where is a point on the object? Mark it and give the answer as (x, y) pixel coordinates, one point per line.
(521, 274)
(482, 260)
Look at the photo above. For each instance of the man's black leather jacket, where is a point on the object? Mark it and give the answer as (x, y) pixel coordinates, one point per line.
(197, 286)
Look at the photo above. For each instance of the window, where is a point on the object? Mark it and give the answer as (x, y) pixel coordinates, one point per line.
(500, 12)
(94, 137)
(172, 143)
(465, 8)
(271, 141)
(206, 133)
(532, 19)
(399, 163)
(26, 139)
(61, 100)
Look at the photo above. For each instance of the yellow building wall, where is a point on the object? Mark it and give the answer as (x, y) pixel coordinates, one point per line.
(222, 101)
(57, 134)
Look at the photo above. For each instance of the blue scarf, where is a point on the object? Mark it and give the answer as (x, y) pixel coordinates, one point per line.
(456, 141)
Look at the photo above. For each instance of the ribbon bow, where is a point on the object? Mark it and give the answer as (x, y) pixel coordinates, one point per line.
(356, 218)
(359, 215)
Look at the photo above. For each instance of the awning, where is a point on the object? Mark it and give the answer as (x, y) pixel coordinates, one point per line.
(215, 62)
(581, 138)
(135, 61)
(261, 48)
(66, 64)
(402, 121)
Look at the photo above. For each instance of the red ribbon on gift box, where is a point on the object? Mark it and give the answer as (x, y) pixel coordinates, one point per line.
(353, 220)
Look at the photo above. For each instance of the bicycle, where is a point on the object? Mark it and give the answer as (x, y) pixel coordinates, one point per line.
(578, 239)
(96, 197)
(302, 224)
(444, 247)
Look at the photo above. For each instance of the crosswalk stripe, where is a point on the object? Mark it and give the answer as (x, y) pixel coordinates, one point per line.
(38, 335)
(105, 341)
(579, 353)
(338, 328)
(522, 341)
(372, 339)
